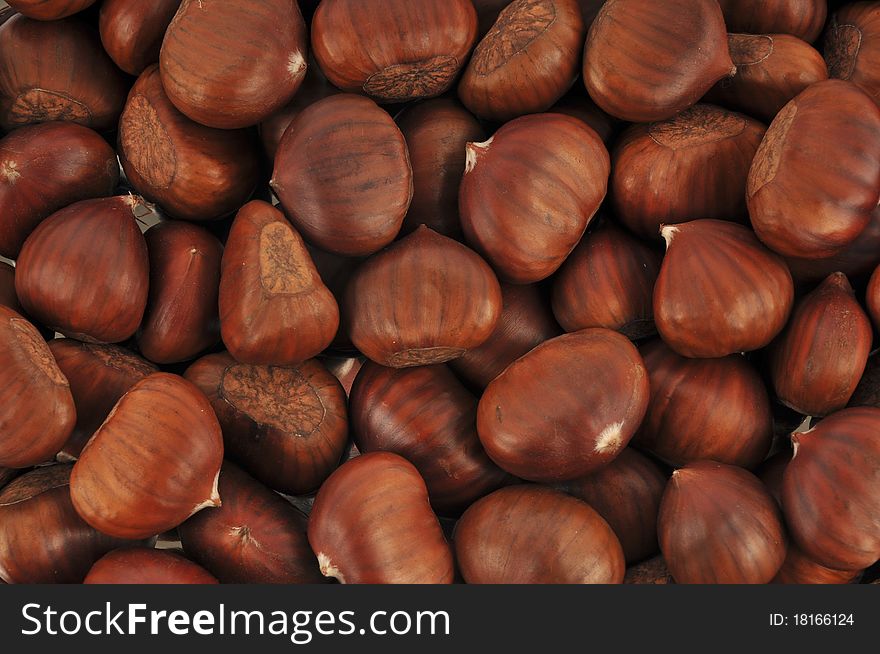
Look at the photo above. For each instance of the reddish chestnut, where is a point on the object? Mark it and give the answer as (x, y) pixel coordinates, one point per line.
(872, 297)
(132, 31)
(802, 18)
(49, 9)
(798, 568)
(140, 565)
(336, 271)
(852, 46)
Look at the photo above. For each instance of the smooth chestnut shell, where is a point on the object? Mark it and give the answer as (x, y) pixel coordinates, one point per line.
(372, 524)
(530, 191)
(527, 61)
(426, 299)
(139, 565)
(719, 290)
(287, 426)
(153, 463)
(852, 46)
(719, 525)
(49, 9)
(44, 168)
(393, 50)
(231, 64)
(798, 568)
(815, 180)
(538, 425)
(528, 534)
(646, 60)
(132, 31)
(801, 18)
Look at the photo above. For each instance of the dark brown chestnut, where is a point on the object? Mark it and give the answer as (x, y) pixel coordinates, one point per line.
(653, 572)
(7, 475)
(336, 271)
(872, 297)
(345, 369)
(798, 568)
(231, 64)
(646, 60)
(139, 565)
(801, 18)
(394, 50)
(527, 61)
(274, 308)
(528, 534)
(530, 191)
(8, 298)
(719, 291)
(578, 104)
(372, 524)
(538, 425)
(719, 525)
(84, 271)
(426, 299)
(852, 46)
(49, 9)
(132, 31)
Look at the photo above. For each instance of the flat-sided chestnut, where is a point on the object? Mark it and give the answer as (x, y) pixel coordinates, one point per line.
(153, 463)
(852, 46)
(132, 31)
(801, 18)
(530, 191)
(647, 60)
(84, 271)
(372, 523)
(719, 290)
(49, 9)
(527, 61)
(274, 308)
(287, 426)
(538, 425)
(719, 525)
(231, 64)
(393, 50)
(426, 299)
(139, 565)
(533, 535)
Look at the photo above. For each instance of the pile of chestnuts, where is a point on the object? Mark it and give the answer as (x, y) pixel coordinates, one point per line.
(480, 291)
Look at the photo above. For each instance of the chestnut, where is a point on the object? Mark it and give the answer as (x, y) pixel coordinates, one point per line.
(194, 172)
(530, 191)
(287, 426)
(578, 104)
(425, 415)
(653, 572)
(538, 425)
(336, 271)
(372, 524)
(256, 537)
(78, 83)
(608, 281)
(867, 392)
(831, 490)
(626, 493)
(139, 565)
(274, 308)
(719, 525)
(719, 290)
(132, 31)
(342, 174)
(801, 18)
(49, 9)
(153, 462)
(816, 363)
(231, 64)
(646, 60)
(527, 61)
(528, 534)
(852, 46)
(426, 299)
(798, 568)
(44, 168)
(872, 297)
(8, 298)
(345, 369)
(84, 271)
(692, 166)
(393, 50)
(815, 180)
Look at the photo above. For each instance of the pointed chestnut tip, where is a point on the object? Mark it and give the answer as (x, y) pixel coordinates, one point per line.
(840, 281)
(668, 232)
(473, 153)
(296, 64)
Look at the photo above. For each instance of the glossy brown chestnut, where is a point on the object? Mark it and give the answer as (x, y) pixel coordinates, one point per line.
(231, 64)
(719, 290)
(49, 9)
(287, 426)
(530, 191)
(831, 490)
(139, 565)
(182, 318)
(342, 174)
(153, 463)
(84, 271)
(132, 31)
(426, 299)
(37, 412)
(336, 271)
(852, 46)
(528, 534)
(579, 104)
(274, 308)
(44, 168)
(256, 537)
(8, 298)
(801, 18)
(79, 83)
(527, 61)
(372, 524)
(816, 363)
(798, 568)
(647, 60)
(692, 166)
(815, 180)
(194, 172)
(608, 281)
(653, 571)
(538, 425)
(626, 493)
(704, 409)
(719, 525)
(394, 50)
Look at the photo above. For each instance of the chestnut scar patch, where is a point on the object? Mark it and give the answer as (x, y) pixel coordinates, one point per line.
(517, 27)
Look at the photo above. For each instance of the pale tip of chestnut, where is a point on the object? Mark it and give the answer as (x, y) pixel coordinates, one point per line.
(473, 151)
(9, 171)
(243, 534)
(296, 64)
(610, 438)
(214, 500)
(668, 232)
(328, 569)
